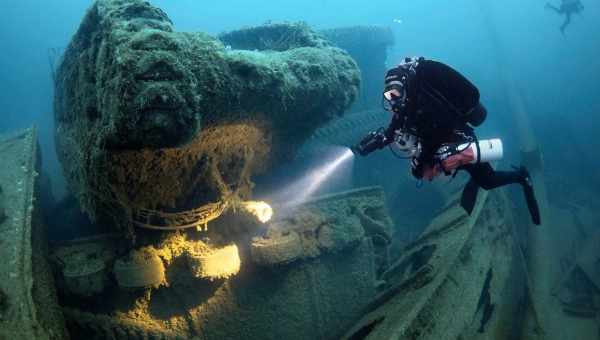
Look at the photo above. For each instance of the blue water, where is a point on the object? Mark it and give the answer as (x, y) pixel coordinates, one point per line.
(557, 75)
(512, 50)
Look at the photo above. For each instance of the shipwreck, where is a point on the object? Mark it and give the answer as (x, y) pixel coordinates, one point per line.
(161, 134)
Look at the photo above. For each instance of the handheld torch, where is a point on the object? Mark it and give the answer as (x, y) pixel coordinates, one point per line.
(372, 141)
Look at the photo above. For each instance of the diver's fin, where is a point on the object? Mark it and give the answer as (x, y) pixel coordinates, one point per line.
(532, 203)
(469, 196)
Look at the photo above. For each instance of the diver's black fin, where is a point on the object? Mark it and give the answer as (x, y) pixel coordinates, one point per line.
(532, 204)
(469, 196)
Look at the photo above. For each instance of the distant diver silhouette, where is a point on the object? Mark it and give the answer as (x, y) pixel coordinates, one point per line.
(567, 7)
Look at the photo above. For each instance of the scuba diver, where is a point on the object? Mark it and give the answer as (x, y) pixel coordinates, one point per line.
(434, 111)
(567, 7)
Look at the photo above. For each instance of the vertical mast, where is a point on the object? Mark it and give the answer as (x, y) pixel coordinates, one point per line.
(540, 257)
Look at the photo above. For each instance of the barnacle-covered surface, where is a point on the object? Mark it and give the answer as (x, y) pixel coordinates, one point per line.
(463, 278)
(150, 118)
(28, 305)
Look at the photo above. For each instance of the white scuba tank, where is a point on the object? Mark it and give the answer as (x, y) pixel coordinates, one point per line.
(489, 150)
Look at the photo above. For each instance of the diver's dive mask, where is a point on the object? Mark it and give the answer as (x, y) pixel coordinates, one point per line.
(393, 99)
(394, 89)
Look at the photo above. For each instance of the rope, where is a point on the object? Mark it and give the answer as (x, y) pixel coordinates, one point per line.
(199, 217)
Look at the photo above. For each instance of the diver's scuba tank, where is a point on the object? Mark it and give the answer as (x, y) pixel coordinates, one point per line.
(485, 150)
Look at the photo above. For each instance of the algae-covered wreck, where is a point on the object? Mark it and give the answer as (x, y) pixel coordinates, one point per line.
(160, 133)
(28, 301)
(150, 118)
(310, 275)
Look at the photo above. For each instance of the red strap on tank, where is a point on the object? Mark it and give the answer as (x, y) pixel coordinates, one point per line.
(462, 158)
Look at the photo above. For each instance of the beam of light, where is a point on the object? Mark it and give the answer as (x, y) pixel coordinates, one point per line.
(302, 189)
(318, 176)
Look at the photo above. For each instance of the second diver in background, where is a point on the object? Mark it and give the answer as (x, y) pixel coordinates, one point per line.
(567, 7)
(434, 111)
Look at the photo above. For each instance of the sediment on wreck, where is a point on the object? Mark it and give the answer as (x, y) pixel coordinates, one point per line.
(150, 118)
(464, 277)
(283, 284)
(28, 303)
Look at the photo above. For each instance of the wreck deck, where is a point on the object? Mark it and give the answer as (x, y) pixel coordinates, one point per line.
(462, 278)
(28, 308)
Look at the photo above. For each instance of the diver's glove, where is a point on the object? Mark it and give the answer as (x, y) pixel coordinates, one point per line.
(454, 159)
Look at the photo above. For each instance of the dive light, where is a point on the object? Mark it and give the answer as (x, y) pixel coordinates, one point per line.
(372, 141)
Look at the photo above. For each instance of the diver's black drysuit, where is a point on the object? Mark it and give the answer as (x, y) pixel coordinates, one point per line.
(439, 106)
